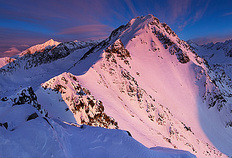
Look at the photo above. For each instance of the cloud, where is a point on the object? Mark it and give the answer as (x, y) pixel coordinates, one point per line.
(88, 31)
(227, 14)
(11, 52)
(19, 38)
(185, 12)
(201, 11)
(179, 8)
(131, 7)
(24, 45)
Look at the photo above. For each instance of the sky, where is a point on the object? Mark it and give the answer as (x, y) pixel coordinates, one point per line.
(24, 23)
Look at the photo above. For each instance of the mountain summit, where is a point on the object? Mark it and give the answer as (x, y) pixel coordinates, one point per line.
(39, 47)
(142, 79)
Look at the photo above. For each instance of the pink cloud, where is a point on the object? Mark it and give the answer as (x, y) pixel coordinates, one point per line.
(179, 8)
(88, 31)
(11, 52)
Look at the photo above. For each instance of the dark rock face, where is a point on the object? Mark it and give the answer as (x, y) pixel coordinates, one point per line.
(4, 125)
(117, 50)
(173, 48)
(32, 116)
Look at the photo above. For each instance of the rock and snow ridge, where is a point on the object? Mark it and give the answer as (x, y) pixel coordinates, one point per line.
(143, 77)
(85, 108)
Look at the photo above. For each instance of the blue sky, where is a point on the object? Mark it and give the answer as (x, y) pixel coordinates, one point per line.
(27, 22)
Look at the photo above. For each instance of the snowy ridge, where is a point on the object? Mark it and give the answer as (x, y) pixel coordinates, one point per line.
(219, 71)
(25, 97)
(225, 46)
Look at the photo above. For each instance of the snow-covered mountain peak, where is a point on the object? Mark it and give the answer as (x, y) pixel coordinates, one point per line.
(51, 42)
(151, 20)
(39, 47)
(159, 37)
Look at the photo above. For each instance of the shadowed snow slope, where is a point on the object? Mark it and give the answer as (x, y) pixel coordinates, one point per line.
(26, 131)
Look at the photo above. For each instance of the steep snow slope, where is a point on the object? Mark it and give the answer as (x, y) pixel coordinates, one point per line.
(219, 61)
(26, 131)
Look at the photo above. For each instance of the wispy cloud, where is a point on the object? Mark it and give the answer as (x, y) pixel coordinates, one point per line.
(179, 9)
(201, 11)
(131, 7)
(91, 19)
(227, 14)
(185, 12)
(88, 31)
(11, 52)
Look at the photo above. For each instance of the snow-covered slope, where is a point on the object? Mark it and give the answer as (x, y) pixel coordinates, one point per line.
(27, 131)
(142, 79)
